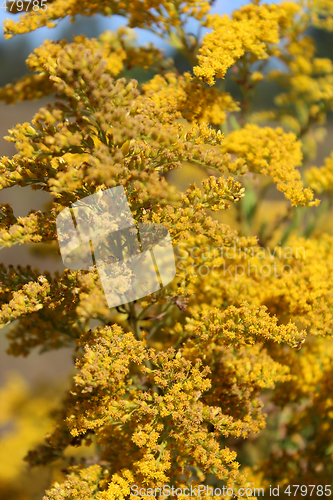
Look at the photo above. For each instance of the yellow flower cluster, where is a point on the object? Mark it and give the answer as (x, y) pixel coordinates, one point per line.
(241, 326)
(82, 483)
(118, 49)
(258, 146)
(294, 283)
(321, 179)
(252, 30)
(169, 389)
(110, 403)
(194, 101)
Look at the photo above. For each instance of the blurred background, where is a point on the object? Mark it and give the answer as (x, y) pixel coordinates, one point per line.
(35, 374)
